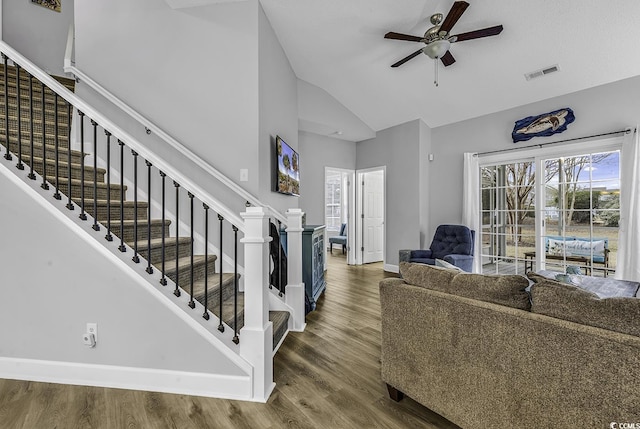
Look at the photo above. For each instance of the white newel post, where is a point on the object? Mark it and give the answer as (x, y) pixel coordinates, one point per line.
(294, 293)
(256, 337)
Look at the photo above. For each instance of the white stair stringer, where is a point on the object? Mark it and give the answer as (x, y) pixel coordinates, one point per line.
(60, 274)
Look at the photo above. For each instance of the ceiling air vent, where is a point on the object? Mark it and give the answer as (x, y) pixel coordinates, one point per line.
(542, 72)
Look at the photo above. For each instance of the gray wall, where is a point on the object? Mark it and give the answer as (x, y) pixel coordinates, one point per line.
(278, 114)
(192, 71)
(38, 33)
(425, 184)
(55, 282)
(316, 153)
(226, 106)
(398, 149)
(601, 109)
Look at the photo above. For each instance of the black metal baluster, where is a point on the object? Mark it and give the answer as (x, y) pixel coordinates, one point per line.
(44, 184)
(235, 285)
(176, 292)
(135, 258)
(279, 259)
(205, 315)
(7, 155)
(31, 174)
(19, 165)
(70, 205)
(122, 247)
(220, 326)
(108, 237)
(57, 195)
(95, 226)
(83, 214)
(192, 303)
(149, 267)
(163, 280)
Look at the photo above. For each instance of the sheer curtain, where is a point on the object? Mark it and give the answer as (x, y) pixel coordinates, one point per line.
(628, 263)
(471, 203)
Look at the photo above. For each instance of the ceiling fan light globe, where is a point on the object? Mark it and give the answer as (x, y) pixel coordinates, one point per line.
(436, 49)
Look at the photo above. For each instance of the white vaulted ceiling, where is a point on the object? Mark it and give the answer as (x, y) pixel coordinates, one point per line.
(338, 46)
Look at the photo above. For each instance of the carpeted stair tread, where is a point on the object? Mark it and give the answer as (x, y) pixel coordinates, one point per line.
(62, 168)
(101, 188)
(184, 268)
(280, 320)
(156, 228)
(213, 284)
(24, 89)
(12, 72)
(37, 93)
(63, 141)
(128, 207)
(25, 112)
(63, 152)
(184, 248)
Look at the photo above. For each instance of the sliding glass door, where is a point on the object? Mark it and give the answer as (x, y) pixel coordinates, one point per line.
(508, 215)
(556, 211)
(581, 213)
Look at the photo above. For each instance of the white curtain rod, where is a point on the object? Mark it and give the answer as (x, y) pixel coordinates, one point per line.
(540, 145)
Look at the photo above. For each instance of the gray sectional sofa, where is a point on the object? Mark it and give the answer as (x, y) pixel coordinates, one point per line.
(484, 353)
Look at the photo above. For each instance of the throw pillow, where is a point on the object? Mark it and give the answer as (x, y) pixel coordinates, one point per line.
(576, 247)
(444, 264)
(571, 303)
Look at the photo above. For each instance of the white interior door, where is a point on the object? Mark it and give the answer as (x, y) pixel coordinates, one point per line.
(373, 216)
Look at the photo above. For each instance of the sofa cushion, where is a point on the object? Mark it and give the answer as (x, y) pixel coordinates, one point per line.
(508, 290)
(568, 302)
(428, 276)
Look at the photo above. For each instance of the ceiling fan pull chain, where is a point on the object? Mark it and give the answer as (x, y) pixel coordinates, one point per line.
(435, 81)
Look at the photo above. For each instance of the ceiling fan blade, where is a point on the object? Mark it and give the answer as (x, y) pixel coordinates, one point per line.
(485, 32)
(447, 59)
(453, 16)
(407, 58)
(400, 36)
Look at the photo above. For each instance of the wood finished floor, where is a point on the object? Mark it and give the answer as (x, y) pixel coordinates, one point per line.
(327, 377)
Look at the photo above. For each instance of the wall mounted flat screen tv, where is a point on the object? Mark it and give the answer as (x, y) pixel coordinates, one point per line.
(288, 169)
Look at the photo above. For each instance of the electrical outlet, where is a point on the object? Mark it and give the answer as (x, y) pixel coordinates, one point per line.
(92, 328)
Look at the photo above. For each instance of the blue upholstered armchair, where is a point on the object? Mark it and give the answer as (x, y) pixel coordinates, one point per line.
(339, 239)
(451, 243)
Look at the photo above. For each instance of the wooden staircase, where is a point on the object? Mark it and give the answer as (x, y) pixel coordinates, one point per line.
(177, 250)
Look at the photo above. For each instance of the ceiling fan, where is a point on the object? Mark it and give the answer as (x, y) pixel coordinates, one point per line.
(438, 39)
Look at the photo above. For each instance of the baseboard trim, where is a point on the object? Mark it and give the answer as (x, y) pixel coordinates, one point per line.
(391, 268)
(145, 379)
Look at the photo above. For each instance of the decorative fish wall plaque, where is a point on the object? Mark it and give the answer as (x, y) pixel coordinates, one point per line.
(542, 125)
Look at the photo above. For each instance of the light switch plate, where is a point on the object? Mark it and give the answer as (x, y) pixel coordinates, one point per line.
(92, 328)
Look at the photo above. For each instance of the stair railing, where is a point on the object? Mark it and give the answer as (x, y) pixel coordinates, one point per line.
(170, 264)
(150, 127)
(100, 202)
